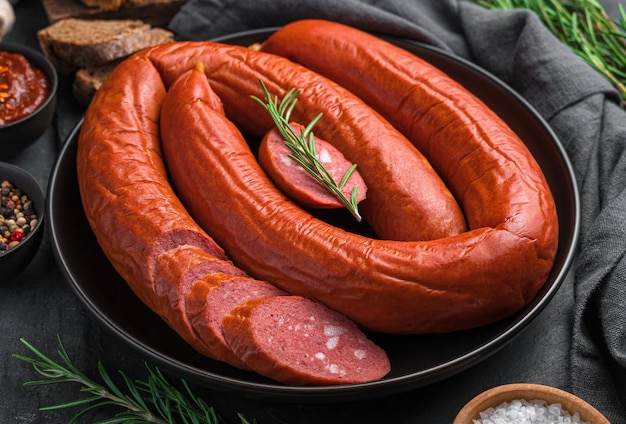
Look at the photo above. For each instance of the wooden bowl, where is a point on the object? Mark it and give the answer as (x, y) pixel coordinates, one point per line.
(507, 393)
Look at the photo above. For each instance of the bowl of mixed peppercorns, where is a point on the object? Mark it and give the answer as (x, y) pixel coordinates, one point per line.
(21, 218)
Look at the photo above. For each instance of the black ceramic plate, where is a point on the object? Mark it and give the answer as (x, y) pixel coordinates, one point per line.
(416, 360)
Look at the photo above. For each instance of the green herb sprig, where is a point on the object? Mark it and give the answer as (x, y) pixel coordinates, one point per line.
(153, 401)
(302, 146)
(586, 28)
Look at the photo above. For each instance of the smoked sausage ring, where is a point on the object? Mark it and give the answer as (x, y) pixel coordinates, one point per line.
(447, 284)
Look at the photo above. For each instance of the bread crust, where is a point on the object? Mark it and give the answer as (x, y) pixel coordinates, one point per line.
(103, 4)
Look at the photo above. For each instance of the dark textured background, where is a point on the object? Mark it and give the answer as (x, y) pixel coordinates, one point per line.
(39, 304)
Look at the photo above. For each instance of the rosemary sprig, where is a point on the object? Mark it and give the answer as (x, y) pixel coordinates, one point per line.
(302, 146)
(153, 401)
(586, 28)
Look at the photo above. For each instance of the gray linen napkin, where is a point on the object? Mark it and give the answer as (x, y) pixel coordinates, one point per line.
(580, 105)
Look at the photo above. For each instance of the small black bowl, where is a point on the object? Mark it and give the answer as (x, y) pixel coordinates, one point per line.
(18, 135)
(14, 260)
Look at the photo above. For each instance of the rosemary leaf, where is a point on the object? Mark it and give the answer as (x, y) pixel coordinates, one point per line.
(134, 392)
(345, 177)
(114, 392)
(302, 146)
(70, 404)
(96, 405)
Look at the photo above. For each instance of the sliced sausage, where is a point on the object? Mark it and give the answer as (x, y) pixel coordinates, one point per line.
(298, 342)
(297, 183)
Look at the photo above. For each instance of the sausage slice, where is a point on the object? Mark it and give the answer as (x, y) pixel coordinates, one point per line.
(299, 342)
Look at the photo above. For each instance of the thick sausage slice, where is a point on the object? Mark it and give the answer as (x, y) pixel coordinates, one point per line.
(296, 182)
(214, 296)
(175, 272)
(299, 342)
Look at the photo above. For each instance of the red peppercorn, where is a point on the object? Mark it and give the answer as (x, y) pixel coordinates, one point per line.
(17, 235)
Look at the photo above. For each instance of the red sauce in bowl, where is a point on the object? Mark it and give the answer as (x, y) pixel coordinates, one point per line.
(23, 87)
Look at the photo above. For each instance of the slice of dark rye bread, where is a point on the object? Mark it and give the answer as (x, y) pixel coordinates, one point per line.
(71, 43)
(88, 80)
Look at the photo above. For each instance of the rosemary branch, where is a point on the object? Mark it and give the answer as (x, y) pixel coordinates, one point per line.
(153, 401)
(302, 146)
(586, 28)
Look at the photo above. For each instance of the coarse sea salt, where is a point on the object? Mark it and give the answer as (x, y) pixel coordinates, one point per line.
(528, 412)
